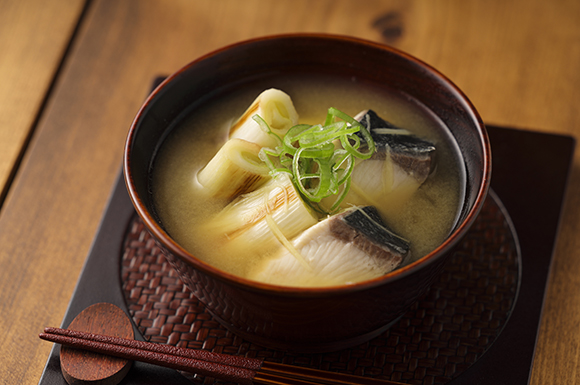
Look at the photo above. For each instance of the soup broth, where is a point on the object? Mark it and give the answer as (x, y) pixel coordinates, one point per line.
(183, 206)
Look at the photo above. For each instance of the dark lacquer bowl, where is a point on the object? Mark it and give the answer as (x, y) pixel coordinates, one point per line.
(317, 319)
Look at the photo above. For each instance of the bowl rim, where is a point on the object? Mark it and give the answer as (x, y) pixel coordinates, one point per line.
(162, 236)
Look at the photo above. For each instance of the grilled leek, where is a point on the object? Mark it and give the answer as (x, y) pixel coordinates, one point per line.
(234, 170)
(260, 219)
(277, 110)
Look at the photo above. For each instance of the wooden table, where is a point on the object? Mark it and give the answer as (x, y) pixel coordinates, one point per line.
(74, 74)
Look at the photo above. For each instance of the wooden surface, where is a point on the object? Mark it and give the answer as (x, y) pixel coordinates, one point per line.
(81, 367)
(517, 61)
(33, 38)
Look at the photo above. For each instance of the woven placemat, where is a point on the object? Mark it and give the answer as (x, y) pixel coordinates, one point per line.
(443, 334)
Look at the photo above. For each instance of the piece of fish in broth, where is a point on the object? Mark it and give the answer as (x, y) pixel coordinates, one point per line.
(349, 247)
(400, 165)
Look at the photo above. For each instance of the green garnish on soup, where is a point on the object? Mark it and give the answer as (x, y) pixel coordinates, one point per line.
(320, 157)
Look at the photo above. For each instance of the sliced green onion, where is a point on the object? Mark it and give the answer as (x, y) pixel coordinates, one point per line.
(310, 155)
(341, 197)
(265, 127)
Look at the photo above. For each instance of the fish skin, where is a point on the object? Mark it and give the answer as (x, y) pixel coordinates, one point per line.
(409, 152)
(366, 230)
(346, 248)
(370, 119)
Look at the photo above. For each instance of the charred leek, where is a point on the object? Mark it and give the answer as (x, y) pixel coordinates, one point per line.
(276, 108)
(265, 216)
(234, 170)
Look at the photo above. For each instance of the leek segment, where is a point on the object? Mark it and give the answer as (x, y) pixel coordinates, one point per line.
(277, 110)
(248, 220)
(234, 170)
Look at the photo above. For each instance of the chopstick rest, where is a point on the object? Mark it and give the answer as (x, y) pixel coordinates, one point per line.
(82, 366)
(223, 367)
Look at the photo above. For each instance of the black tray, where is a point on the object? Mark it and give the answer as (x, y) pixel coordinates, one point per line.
(529, 183)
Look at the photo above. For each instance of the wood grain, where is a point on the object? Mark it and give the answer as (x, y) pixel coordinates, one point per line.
(83, 367)
(517, 61)
(33, 37)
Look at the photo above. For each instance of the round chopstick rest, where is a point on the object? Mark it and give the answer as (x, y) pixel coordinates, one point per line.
(83, 367)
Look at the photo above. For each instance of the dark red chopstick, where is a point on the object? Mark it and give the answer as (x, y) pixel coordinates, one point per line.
(220, 366)
(196, 354)
(127, 350)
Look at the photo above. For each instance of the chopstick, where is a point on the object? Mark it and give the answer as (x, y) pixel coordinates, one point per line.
(220, 366)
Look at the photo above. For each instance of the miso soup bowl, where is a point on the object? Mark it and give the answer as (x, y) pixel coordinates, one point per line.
(305, 319)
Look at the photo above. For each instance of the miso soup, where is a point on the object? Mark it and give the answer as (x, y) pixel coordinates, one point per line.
(184, 208)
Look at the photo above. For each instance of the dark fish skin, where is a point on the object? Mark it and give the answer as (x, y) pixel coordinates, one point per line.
(411, 153)
(365, 229)
(369, 119)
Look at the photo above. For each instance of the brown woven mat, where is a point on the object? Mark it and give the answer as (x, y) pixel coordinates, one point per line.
(435, 341)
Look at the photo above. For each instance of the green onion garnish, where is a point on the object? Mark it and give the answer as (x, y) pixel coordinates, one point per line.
(320, 158)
